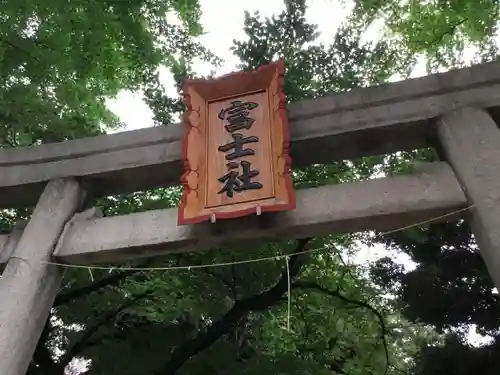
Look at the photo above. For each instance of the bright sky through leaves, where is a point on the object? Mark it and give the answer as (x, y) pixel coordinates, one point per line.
(223, 21)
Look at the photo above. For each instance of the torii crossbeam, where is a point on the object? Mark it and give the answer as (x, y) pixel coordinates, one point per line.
(457, 112)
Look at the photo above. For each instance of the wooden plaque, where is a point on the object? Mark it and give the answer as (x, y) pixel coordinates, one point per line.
(235, 146)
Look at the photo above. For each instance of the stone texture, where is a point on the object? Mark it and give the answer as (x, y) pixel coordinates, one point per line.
(367, 121)
(28, 286)
(375, 204)
(471, 141)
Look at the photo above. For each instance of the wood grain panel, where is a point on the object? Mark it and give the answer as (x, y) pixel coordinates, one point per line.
(261, 161)
(235, 147)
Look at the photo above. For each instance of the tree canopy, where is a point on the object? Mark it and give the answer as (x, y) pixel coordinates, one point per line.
(440, 30)
(61, 61)
(448, 270)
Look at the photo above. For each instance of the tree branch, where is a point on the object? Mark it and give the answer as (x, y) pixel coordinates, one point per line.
(233, 286)
(42, 356)
(450, 30)
(219, 278)
(111, 280)
(82, 342)
(336, 294)
(230, 287)
(182, 353)
(72, 294)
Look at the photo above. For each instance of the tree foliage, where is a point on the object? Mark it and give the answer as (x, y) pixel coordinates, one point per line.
(449, 286)
(60, 60)
(441, 30)
(452, 279)
(237, 318)
(243, 317)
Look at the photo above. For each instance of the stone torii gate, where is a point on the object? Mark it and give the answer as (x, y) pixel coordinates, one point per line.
(457, 112)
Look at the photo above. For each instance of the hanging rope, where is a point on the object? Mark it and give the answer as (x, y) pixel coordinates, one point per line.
(223, 264)
(289, 283)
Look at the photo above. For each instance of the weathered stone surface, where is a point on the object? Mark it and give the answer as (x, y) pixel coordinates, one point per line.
(8, 243)
(361, 122)
(28, 286)
(376, 204)
(471, 141)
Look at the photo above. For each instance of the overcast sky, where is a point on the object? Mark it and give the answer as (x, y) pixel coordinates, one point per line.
(223, 21)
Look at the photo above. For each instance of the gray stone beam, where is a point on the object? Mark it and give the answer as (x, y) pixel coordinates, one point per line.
(28, 285)
(471, 141)
(381, 204)
(361, 122)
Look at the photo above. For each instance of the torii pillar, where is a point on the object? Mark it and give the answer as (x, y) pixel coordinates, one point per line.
(28, 284)
(471, 141)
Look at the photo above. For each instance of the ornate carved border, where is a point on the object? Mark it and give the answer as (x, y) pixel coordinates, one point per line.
(197, 93)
